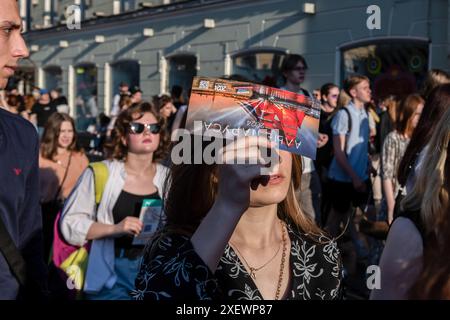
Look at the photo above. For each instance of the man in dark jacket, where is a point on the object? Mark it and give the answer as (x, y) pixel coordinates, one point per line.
(20, 213)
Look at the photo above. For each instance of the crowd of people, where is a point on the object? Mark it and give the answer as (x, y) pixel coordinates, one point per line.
(378, 191)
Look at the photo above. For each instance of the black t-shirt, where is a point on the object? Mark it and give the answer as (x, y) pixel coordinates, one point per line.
(128, 204)
(60, 101)
(385, 127)
(325, 154)
(43, 112)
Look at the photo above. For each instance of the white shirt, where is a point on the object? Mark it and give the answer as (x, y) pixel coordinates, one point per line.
(308, 165)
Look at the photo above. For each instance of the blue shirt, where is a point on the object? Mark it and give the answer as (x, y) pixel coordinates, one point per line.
(357, 149)
(19, 200)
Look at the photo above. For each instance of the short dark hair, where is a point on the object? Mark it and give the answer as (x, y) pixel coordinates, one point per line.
(291, 60)
(176, 91)
(325, 89)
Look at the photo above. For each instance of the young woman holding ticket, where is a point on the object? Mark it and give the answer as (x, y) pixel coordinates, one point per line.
(234, 234)
(134, 174)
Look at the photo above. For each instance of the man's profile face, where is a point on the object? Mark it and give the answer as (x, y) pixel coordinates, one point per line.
(12, 45)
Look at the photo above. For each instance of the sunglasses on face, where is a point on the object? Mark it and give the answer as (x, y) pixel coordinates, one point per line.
(137, 128)
(299, 69)
(334, 96)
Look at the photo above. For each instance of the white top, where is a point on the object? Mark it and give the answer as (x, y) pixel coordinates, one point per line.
(401, 261)
(115, 107)
(308, 165)
(79, 214)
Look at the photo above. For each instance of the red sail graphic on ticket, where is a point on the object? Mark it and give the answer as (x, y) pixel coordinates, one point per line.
(241, 108)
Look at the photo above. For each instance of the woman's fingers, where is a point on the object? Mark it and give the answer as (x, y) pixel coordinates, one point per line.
(132, 225)
(246, 150)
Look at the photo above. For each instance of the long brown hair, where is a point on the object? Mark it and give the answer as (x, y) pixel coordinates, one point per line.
(407, 110)
(118, 150)
(49, 141)
(191, 190)
(391, 104)
(434, 78)
(435, 106)
(431, 194)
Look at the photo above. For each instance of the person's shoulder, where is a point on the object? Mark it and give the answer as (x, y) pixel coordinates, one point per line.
(341, 116)
(80, 156)
(341, 112)
(22, 126)
(317, 238)
(392, 136)
(167, 241)
(161, 168)
(404, 233)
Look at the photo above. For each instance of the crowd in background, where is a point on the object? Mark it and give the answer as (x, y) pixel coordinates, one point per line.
(381, 163)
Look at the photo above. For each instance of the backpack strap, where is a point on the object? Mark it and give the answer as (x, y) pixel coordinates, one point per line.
(12, 255)
(349, 119)
(100, 178)
(349, 129)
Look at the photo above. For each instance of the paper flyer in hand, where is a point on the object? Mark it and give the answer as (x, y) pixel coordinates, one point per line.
(151, 215)
(243, 109)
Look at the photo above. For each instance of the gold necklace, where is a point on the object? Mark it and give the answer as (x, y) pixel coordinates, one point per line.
(60, 162)
(253, 269)
(283, 259)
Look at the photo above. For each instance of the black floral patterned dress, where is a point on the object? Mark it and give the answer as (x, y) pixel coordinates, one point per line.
(173, 270)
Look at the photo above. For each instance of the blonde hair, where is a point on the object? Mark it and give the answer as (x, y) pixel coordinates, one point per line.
(430, 193)
(343, 100)
(353, 81)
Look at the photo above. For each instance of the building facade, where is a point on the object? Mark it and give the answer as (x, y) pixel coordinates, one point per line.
(157, 44)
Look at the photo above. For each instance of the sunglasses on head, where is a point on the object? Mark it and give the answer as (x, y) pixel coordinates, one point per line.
(137, 128)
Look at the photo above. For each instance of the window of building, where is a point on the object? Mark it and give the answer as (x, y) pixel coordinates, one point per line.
(23, 79)
(127, 71)
(53, 77)
(86, 103)
(393, 66)
(129, 5)
(259, 65)
(182, 70)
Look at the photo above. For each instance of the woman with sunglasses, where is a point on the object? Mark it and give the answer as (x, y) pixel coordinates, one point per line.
(134, 174)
